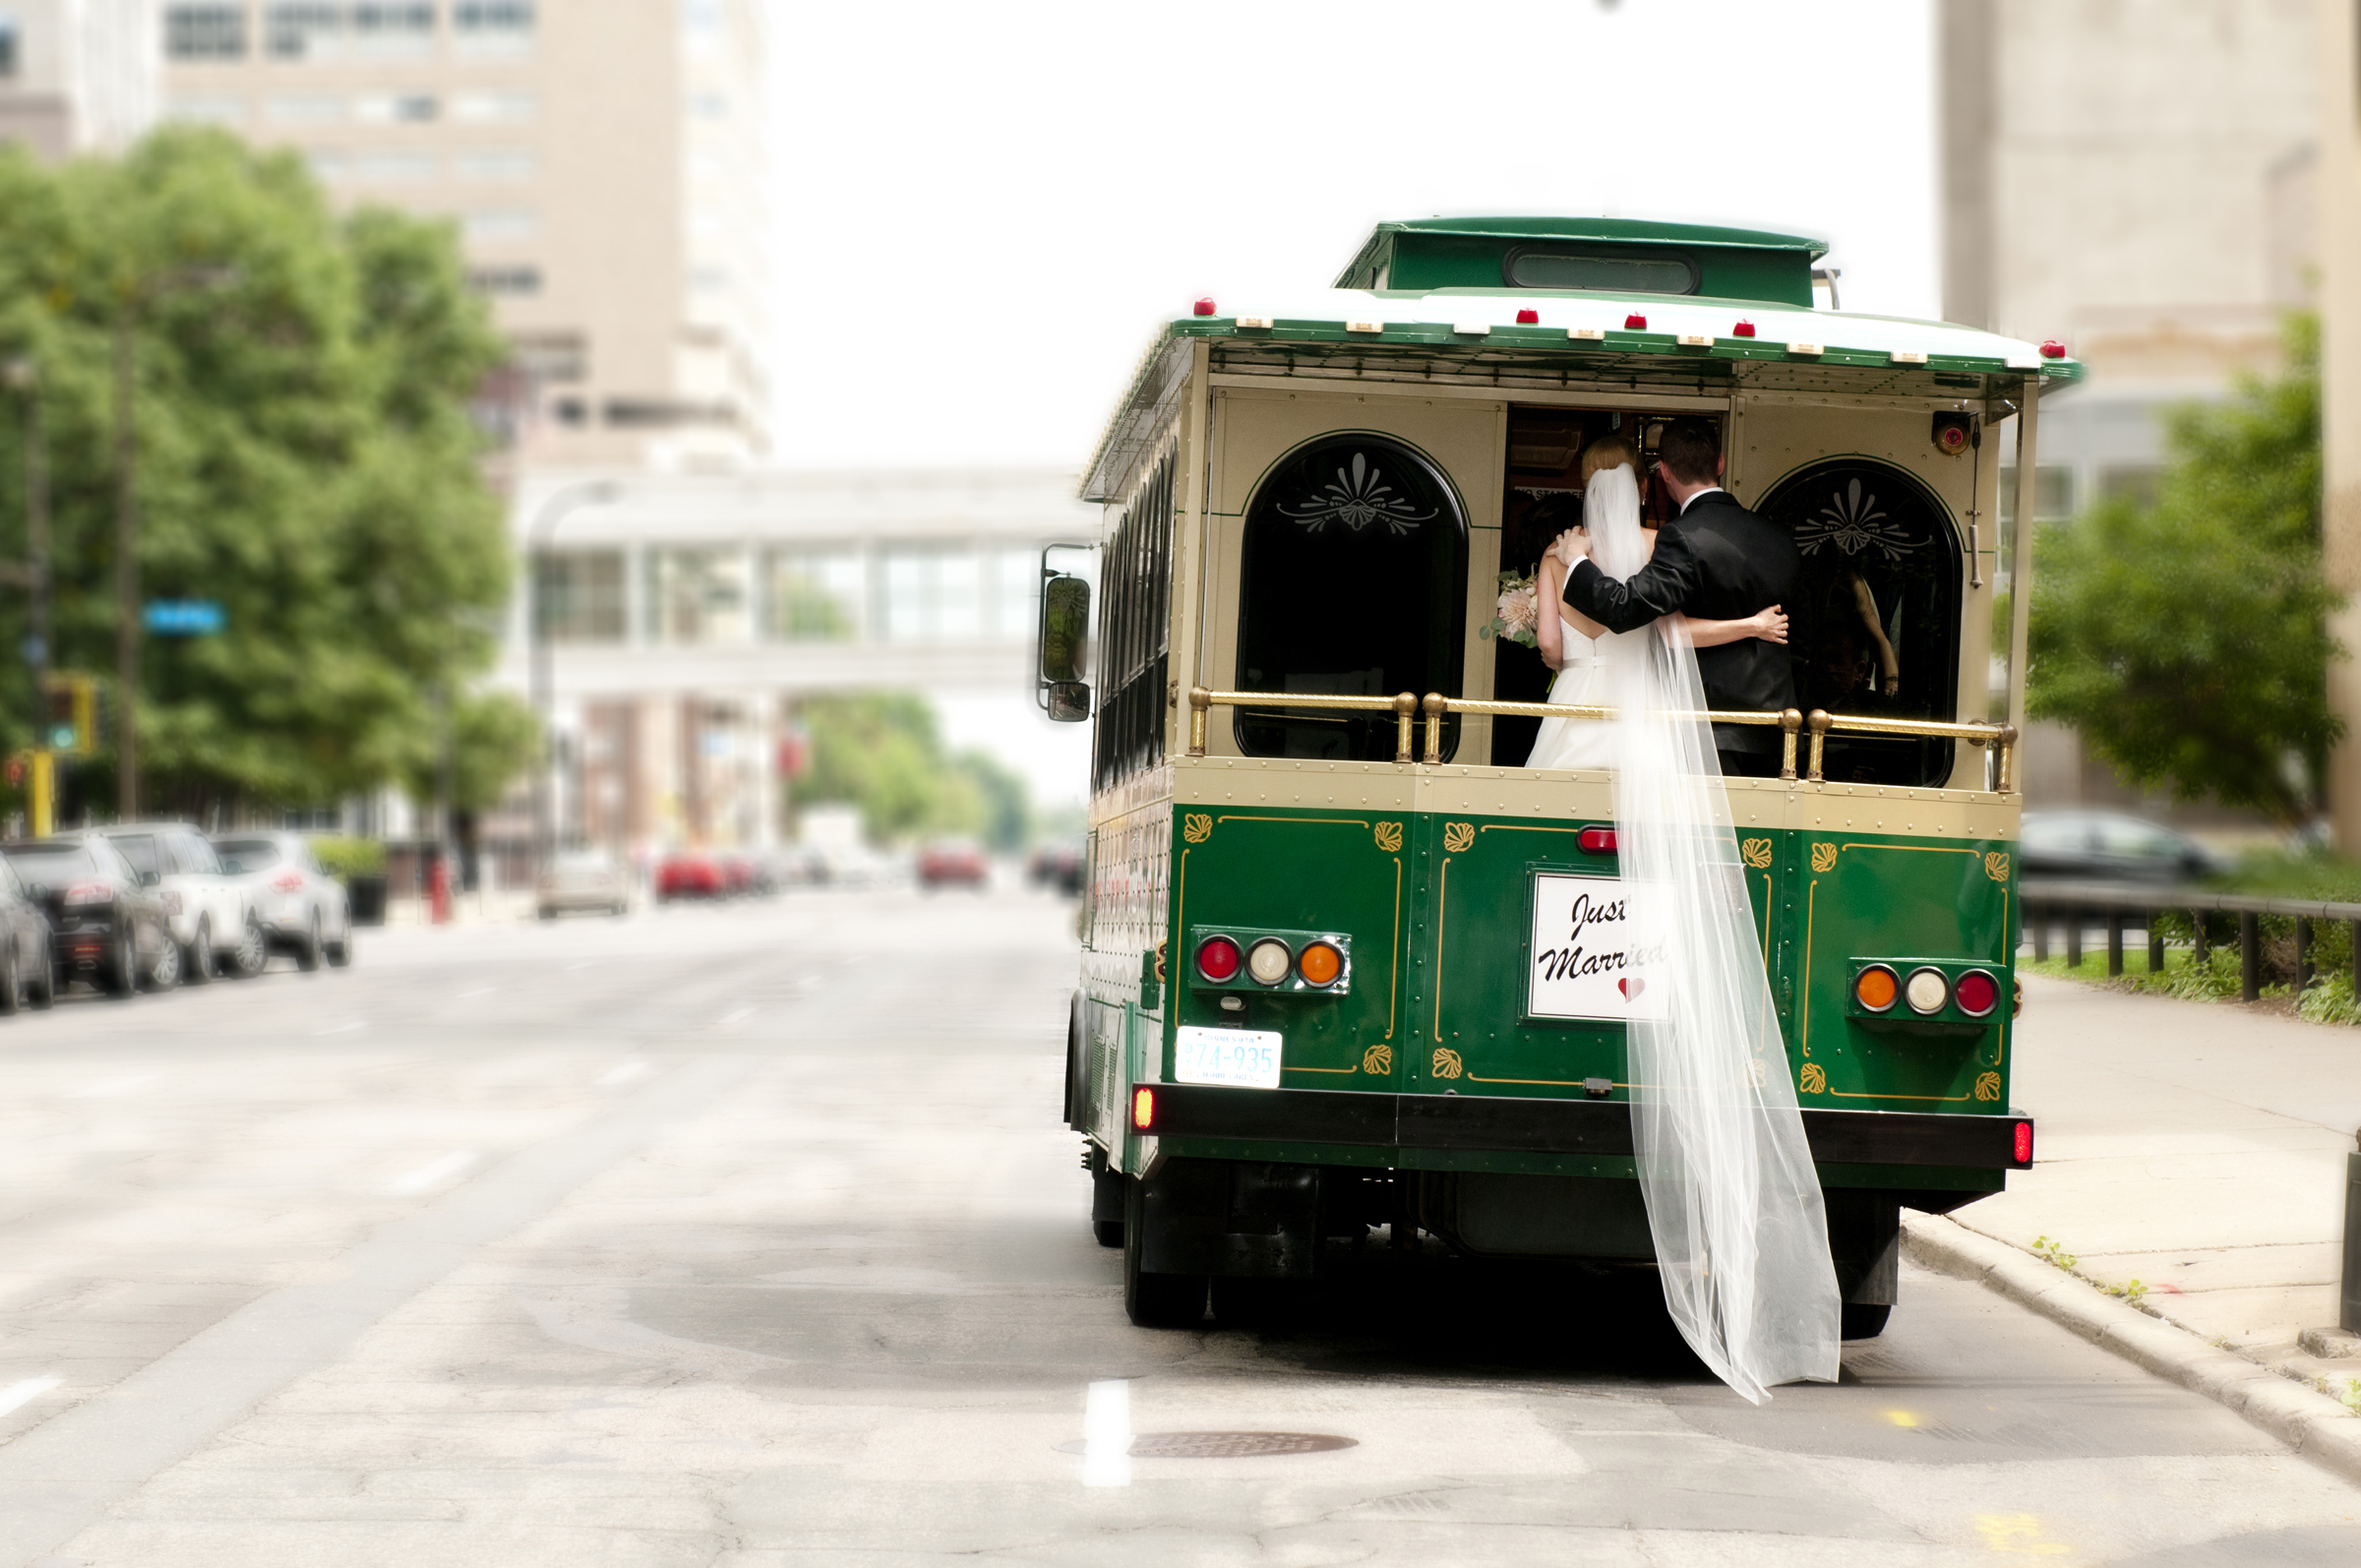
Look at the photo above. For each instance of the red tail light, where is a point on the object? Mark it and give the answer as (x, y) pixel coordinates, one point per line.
(2021, 1147)
(288, 881)
(1596, 840)
(1217, 958)
(1143, 1111)
(1977, 993)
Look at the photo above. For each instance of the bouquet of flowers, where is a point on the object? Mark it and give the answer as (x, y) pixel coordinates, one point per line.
(1518, 612)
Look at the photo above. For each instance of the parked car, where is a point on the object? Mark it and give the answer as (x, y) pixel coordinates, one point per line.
(952, 861)
(1057, 866)
(27, 956)
(210, 912)
(582, 879)
(106, 925)
(304, 910)
(689, 873)
(2108, 846)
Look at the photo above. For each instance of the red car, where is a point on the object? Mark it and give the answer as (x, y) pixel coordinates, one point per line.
(952, 861)
(689, 873)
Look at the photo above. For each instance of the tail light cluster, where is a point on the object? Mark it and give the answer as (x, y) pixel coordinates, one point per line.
(1297, 961)
(1933, 991)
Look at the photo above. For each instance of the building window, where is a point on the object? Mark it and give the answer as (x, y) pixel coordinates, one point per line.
(931, 594)
(708, 106)
(494, 167)
(1015, 593)
(395, 108)
(295, 30)
(390, 168)
(2054, 494)
(8, 44)
(392, 27)
(551, 356)
(209, 111)
(490, 226)
(305, 111)
(2135, 482)
(505, 279)
(486, 26)
(812, 595)
(492, 109)
(698, 595)
(708, 280)
(205, 33)
(579, 595)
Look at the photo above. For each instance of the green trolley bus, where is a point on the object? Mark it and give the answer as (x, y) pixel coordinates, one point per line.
(1330, 969)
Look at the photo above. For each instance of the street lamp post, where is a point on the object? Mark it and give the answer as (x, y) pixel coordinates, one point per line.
(560, 502)
(23, 377)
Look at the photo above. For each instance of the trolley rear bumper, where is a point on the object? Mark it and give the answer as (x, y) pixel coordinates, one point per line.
(1562, 1126)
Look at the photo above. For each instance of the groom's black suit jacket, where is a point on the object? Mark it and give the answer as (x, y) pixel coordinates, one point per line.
(1714, 562)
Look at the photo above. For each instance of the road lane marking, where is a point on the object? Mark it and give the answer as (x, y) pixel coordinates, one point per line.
(19, 1395)
(94, 1091)
(622, 1074)
(587, 963)
(738, 1017)
(1902, 1417)
(480, 991)
(340, 1029)
(434, 1171)
(1107, 1433)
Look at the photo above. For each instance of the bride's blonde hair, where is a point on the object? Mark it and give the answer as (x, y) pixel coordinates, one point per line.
(1607, 452)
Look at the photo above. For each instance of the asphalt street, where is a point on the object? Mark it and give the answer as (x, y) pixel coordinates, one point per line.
(749, 1236)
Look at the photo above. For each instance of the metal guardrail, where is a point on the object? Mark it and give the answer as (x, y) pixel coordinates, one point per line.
(1793, 723)
(2047, 901)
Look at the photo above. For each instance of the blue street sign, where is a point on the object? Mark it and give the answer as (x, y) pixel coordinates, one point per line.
(183, 617)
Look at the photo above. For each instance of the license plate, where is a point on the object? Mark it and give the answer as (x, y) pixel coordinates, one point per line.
(1246, 1058)
(1590, 956)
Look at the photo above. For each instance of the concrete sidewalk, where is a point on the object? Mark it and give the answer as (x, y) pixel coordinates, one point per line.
(2196, 1147)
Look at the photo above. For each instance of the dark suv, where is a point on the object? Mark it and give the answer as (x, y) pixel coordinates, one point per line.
(108, 924)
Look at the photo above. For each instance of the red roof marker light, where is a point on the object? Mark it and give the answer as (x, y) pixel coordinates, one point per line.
(1204, 307)
(1742, 330)
(2051, 348)
(1635, 323)
(1596, 840)
(1529, 317)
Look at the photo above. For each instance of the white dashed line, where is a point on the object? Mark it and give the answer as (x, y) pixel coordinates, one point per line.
(434, 1171)
(19, 1395)
(622, 1074)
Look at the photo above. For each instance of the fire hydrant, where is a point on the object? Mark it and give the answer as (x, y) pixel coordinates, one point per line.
(438, 890)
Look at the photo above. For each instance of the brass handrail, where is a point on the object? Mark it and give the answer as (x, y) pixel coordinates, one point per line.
(1817, 723)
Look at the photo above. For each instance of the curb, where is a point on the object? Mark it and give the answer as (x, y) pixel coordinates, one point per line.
(2318, 1427)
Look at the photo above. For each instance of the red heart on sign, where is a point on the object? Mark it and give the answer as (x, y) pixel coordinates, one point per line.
(1631, 988)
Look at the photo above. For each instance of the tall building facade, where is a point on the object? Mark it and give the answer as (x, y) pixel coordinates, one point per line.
(604, 165)
(76, 76)
(2139, 182)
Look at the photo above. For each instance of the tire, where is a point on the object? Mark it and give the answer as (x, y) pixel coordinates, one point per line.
(165, 973)
(1155, 1300)
(1864, 1320)
(121, 976)
(42, 993)
(253, 952)
(1108, 1233)
(339, 951)
(307, 950)
(197, 959)
(551, 914)
(11, 982)
(1247, 1303)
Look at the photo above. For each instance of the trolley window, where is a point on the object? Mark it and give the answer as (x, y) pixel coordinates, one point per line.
(1353, 581)
(1135, 633)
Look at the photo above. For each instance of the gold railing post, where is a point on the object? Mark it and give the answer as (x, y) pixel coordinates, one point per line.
(1817, 722)
(2007, 756)
(1200, 702)
(1436, 707)
(1789, 721)
(1405, 709)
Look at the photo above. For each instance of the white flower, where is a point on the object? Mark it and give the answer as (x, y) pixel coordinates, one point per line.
(1517, 611)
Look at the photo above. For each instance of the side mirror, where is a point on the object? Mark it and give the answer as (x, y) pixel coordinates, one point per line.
(1064, 628)
(1068, 702)
(152, 879)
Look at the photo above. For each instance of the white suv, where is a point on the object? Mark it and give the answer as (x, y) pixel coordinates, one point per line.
(209, 913)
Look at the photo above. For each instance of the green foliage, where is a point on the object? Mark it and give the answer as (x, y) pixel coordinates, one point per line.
(2054, 1253)
(2188, 641)
(305, 456)
(880, 750)
(347, 858)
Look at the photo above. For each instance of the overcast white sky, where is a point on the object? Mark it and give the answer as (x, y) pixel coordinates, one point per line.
(984, 211)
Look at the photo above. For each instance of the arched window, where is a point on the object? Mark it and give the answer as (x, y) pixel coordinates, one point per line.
(1878, 605)
(1353, 581)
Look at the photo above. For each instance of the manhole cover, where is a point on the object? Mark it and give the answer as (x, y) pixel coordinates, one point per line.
(1221, 1445)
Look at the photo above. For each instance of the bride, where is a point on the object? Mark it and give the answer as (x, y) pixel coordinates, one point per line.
(1732, 1197)
(1576, 646)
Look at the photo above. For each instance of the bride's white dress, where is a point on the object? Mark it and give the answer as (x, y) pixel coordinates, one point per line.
(1582, 680)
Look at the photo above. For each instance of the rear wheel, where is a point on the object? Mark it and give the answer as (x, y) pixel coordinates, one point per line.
(1155, 1300)
(119, 970)
(1108, 1233)
(307, 947)
(10, 978)
(196, 960)
(253, 951)
(1865, 1320)
(339, 951)
(42, 990)
(165, 973)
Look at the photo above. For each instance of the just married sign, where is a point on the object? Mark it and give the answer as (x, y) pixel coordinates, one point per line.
(1590, 957)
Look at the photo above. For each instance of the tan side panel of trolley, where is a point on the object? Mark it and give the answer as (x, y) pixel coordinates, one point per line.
(1253, 429)
(1773, 437)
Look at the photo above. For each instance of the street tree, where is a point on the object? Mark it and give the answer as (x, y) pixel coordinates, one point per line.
(2188, 640)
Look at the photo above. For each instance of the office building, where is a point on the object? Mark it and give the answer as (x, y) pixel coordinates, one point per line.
(76, 76)
(604, 165)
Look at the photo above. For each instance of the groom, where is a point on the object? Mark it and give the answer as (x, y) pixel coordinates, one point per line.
(1715, 561)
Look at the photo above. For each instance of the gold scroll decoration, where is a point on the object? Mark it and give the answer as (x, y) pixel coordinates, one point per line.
(1824, 857)
(1814, 1079)
(1389, 837)
(1996, 866)
(1196, 827)
(1447, 1064)
(1756, 852)
(1459, 837)
(1987, 1087)
(1377, 1060)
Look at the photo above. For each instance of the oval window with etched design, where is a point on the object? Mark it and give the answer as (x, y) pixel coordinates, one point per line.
(1353, 581)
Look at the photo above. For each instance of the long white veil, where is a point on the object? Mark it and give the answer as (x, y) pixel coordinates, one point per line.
(1733, 1203)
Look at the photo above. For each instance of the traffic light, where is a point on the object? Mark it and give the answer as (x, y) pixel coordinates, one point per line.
(70, 723)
